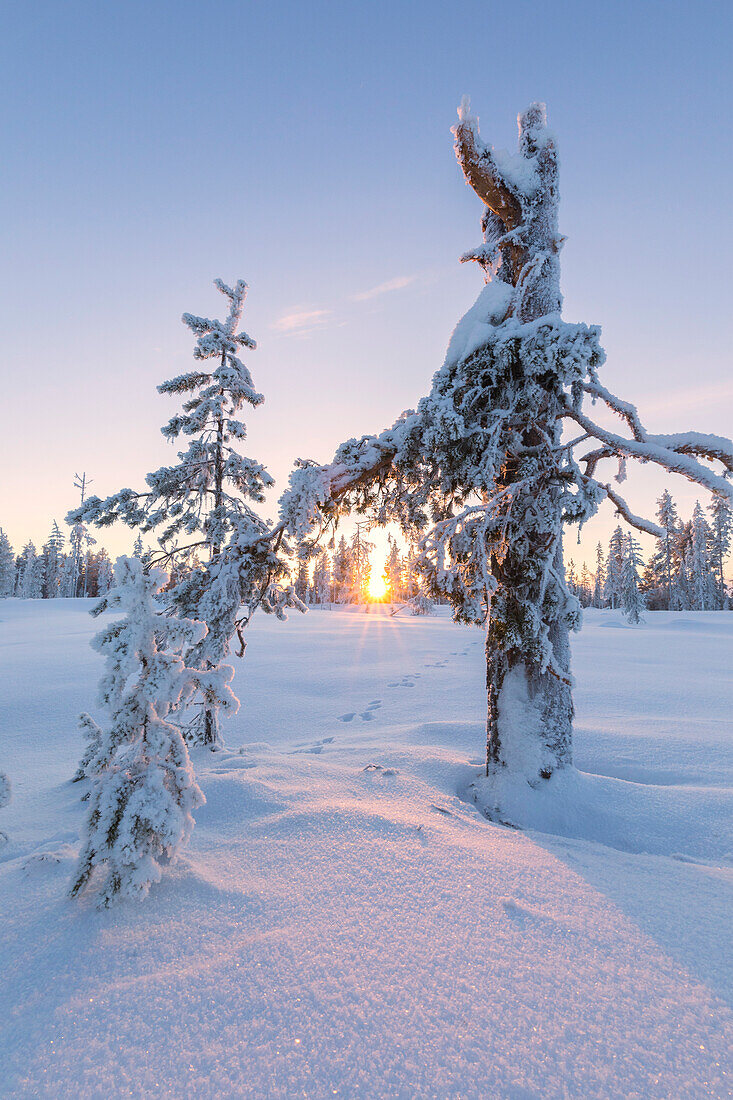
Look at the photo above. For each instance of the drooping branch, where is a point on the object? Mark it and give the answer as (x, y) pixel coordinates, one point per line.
(673, 453)
(315, 492)
(623, 509)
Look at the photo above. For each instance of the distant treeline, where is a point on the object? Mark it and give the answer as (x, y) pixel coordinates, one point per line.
(59, 569)
(684, 572)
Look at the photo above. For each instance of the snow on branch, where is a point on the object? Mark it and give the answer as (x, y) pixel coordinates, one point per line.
(623, 408)
(623, 509)
(673, 453)
(314, 491)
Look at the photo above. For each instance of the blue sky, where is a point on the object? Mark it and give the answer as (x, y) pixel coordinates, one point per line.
(149, 148)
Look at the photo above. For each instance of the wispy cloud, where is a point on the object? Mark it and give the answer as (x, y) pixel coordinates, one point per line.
(384, 288)
(301, 321)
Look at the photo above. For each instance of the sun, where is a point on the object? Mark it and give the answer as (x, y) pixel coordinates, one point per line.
(377, 587)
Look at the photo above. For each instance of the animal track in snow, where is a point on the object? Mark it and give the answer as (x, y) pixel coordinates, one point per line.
(378, 770)
(405, 682)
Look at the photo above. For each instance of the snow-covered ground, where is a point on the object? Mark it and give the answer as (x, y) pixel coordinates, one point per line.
(345, 922)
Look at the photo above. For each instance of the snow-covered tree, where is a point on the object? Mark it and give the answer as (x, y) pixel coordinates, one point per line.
(394, 571)
(585, 587)
(615, 568)
(421, 604)
(53, 561)
(5, 793)
(302, 581)
(721, 531)
(342, 572)
(7, 566)
(204, 502)
(668, 521)
(137, 549)
(103, 578)
(697, 563)
(30, 574)
(360, 550)
(632, 599)
(571, 577)
(599, 580)
(143, 790)
(483, 470)
(322, 578)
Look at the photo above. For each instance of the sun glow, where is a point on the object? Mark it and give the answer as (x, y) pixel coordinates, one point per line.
(377, 587)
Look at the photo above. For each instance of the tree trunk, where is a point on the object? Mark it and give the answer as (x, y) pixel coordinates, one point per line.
(529, 712)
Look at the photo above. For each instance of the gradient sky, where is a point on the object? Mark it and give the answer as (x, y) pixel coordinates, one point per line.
(150, 147)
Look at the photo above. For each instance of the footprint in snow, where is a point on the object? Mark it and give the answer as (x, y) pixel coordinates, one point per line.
(522, 917)
(405, 682)
(366, 716)
(346, 717)
(378, 770)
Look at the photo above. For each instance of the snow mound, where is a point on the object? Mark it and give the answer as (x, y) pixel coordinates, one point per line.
(658, 820)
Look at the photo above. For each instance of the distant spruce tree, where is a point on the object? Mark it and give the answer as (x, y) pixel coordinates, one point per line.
(53, 562)
(632, 598)
(721, 529)
(7, 567)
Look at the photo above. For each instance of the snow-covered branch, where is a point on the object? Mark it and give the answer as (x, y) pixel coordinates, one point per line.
(623, 509)
(673, 453)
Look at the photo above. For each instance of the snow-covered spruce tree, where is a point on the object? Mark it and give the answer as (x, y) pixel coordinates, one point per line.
(7, 566)
(342, 571)
(302, 582)
(483, 470)
(698, 564)
(615, 567)
(143, 790)
(53, 561)
(599, 579)
(721, 529)
(30, 574)
(394, 571)
(5, 794)
(104, 574)
(632, 599)
(203, 502)
(663, 558)
(322, 578)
